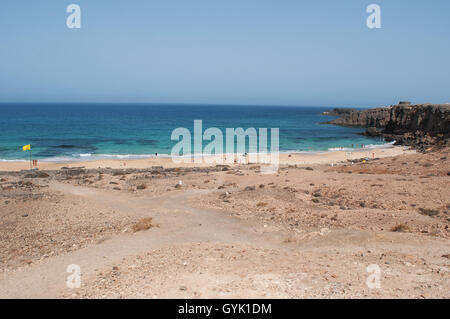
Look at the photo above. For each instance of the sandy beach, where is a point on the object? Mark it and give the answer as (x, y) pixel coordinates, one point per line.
(167, 162)
(155, 229)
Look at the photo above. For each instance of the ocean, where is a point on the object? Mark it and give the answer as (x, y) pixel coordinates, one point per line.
(69, 132)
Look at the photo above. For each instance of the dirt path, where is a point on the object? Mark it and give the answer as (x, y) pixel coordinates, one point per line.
(178, 223)
(330, 264)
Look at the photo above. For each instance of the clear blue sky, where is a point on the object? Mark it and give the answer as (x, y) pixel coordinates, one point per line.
(291, 52)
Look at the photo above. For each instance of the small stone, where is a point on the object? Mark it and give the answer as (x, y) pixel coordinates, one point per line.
(408, 264)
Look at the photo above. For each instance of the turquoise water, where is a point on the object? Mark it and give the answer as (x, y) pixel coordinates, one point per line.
(60, 132)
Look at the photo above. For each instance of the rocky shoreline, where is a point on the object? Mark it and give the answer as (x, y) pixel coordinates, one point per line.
(422, 126)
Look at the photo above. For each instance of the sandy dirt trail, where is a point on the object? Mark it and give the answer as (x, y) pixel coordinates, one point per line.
(178, 223)
(312, 264)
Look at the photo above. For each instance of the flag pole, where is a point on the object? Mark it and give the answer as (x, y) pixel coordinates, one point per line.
(31, 167)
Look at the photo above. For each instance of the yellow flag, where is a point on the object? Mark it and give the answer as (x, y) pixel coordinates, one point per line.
(26, 147)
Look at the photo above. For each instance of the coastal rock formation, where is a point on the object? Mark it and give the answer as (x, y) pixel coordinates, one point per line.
(378, 117)
(339, 111)
(418, 125)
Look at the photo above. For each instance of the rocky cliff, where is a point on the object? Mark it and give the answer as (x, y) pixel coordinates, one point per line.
(339, 111)
(417, 125)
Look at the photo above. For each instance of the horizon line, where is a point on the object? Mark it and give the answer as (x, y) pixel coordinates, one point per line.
(189, 104)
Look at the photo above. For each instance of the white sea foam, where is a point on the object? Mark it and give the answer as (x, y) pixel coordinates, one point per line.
(93, 157)
(365, 147)
(348, 149)
(13, 160)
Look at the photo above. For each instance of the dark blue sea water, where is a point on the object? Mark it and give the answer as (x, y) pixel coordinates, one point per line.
(88, 131)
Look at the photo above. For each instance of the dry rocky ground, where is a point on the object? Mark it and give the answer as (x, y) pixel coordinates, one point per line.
(309, 231)
(37, 223)
(409, 194)
(218, 270)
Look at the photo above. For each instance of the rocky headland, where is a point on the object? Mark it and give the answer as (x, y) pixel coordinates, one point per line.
(339, 111)
(418, 125)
